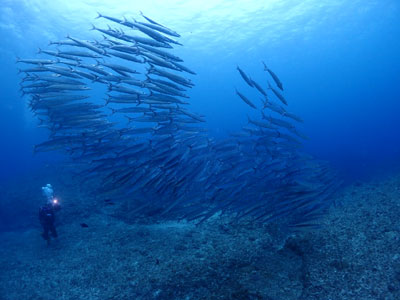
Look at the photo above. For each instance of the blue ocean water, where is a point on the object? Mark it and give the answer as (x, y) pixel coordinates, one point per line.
(338, 61)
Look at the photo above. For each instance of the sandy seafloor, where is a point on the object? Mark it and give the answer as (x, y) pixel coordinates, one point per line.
(354, 255)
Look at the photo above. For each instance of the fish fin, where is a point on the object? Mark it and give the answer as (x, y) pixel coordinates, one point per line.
(96, 78)
(265, 106)
(112, 110)
(125, 21)
(17, 59)
(130, 119)
(99, 15)
(93, 28)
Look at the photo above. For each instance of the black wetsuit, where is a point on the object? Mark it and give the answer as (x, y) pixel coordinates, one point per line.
(47, 218)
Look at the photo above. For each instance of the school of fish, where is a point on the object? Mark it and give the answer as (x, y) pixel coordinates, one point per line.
(135, 135)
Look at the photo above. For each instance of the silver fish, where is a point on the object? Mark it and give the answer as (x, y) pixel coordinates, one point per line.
(247, 101)
(274, 77)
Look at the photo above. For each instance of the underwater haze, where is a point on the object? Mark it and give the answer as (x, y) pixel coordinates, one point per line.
(200, 149)
(338, 60)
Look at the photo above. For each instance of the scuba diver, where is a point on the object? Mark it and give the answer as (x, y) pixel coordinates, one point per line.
(47, 213)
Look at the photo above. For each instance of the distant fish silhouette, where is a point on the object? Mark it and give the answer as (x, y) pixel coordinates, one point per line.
(274, 76)
(84, 225)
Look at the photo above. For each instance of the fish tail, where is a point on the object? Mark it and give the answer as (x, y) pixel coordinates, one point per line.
(98, 15)
(96, 79)
(265, 66)
(263, 114)
(150, 69)
(93, 28)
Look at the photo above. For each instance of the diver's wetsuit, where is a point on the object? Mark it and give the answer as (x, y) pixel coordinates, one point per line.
(47, 218)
